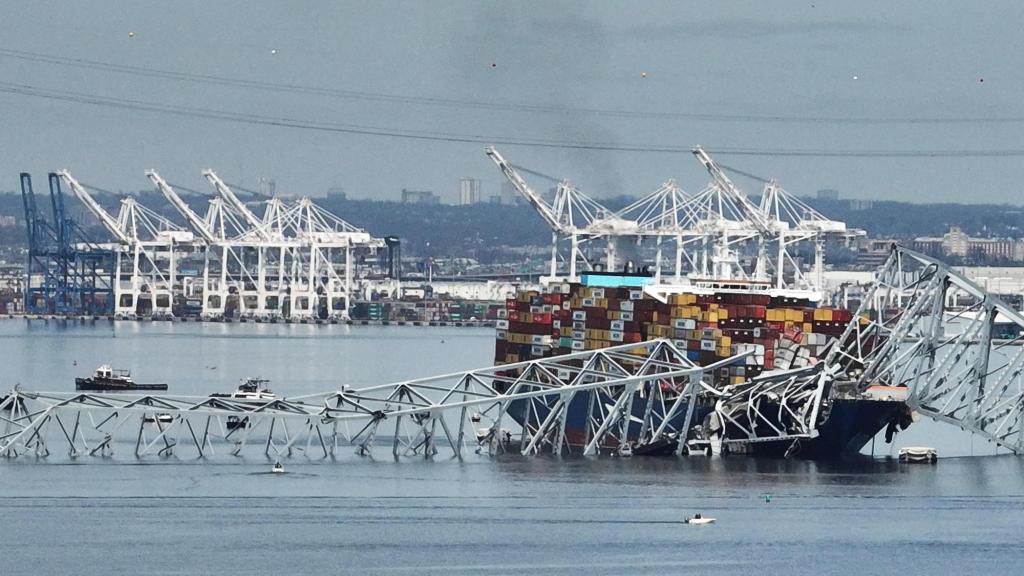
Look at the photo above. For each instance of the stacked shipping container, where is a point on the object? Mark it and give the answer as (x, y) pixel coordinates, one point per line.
(783, 333)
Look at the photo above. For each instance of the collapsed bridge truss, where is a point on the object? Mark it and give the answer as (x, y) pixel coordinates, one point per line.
(417, 417)
(962, 365)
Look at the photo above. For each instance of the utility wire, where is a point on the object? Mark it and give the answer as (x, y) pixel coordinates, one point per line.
(210, 79)
(438, 136)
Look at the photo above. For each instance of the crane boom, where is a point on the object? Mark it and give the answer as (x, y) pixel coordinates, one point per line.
(753, 213)
(531, 196)
(236, 203)
(109, 222)
(194, 220)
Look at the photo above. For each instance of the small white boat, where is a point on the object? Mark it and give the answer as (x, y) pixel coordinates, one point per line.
(626, 450)
(699, 520)
(250, 390)
(919, 454)
(277, 469)
(158, 418)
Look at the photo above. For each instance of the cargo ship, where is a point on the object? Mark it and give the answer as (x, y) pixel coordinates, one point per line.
(710, 321)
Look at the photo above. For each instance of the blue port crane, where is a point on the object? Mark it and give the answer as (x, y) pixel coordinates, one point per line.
(66, 273)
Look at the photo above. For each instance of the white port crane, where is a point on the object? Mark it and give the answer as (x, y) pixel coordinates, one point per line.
(710, 229)
(150, 241)
(236, 204)
(572, 215)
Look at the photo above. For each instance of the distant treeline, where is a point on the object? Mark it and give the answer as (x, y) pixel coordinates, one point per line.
(478, 229)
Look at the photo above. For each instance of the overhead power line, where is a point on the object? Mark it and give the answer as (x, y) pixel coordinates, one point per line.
(438, 136)
(210, 79)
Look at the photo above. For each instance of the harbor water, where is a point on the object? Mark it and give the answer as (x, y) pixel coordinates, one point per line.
(359, 515)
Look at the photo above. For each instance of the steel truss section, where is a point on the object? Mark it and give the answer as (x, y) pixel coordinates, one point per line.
(452, 412)
(960, 365)
(784, 406)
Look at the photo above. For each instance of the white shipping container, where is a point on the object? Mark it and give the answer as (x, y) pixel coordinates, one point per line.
(626, 306)
(556, 324)
(501, 324)
(597, 292)
(579, 315)
(578, 345)
(589, 302)
(615, 336)
(579, 334)
(627, 316)
(501, 335)
(579, 325)
(502, 313)
(616, 325)
(636, 294)
(707, 345)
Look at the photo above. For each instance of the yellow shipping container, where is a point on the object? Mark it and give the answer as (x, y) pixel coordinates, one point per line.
(724, 351)
(726, 341)
(808, 327)
(614, 315)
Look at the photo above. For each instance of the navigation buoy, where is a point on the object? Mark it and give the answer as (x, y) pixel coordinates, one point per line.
(131, 34)
(273, 51)
(643, 74)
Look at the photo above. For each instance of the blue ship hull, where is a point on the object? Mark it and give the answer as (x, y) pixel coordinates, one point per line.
(850, 425)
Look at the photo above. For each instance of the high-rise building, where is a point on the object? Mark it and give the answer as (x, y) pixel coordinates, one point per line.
(828, 194)
(469, 191)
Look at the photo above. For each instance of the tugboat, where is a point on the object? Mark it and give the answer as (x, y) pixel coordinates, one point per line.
(250, 390)
(107, 379)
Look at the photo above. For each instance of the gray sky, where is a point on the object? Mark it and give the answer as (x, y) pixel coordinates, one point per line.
(744, 60)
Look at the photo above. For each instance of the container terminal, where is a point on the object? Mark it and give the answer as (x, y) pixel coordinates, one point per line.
(724, 344)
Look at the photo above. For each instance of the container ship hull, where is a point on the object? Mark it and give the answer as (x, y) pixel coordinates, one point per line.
(850, 425)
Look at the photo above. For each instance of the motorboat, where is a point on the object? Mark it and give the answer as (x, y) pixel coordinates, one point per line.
(250, 390)
(158, 418)
(699, 520)
(107, 379)
(919, 454)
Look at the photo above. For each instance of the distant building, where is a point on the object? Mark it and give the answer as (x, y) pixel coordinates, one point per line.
(336, 193)
(828, 194)
(419, 197)
(494, 199)
(956, 242)
(268, 186)
(469, 191)
(861, 204)
(7, 222)
(509, 194)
